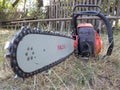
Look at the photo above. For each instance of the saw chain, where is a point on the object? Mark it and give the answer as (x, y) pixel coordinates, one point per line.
(13, 50)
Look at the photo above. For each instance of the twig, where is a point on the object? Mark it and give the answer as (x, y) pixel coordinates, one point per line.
(60, 79)
(51, 82)
(84, 78)
(34, 83)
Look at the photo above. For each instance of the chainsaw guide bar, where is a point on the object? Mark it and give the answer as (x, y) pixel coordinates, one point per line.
(34, 51)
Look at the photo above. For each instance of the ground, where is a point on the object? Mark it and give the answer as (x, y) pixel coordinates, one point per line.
(73, 74)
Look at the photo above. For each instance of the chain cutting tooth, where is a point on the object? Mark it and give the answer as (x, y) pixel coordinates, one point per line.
(20, 72)
(31, 74)
(51, 32)
(38, 31)
(7, 45)
(48, 31)
(16, 68)
(15, 46)
(13, 55)
(27, 75)
(32, 31)
(35, 30)
(34, 73)
(29, 31)
(21, 35)
(25, 32)
(8, 55)
(14, 61)
(17, 40)
(23, 75)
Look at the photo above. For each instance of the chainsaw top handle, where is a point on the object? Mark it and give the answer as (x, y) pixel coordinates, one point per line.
(101, 16)
(87, 5)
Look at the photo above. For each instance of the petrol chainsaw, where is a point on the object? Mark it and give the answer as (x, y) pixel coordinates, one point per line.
(34, 51)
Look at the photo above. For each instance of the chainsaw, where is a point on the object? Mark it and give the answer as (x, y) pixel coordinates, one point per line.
(33, 51)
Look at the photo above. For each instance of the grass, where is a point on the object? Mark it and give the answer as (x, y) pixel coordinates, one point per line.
(73, 74)
(5, 35)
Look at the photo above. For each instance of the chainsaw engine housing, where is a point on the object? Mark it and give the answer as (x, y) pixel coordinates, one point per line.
(86, 40)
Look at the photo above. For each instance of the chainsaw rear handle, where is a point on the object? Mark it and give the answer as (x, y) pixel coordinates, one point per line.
(86, 5)
(106, 21)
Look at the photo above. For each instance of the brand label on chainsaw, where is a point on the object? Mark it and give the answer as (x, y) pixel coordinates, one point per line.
(61, 47)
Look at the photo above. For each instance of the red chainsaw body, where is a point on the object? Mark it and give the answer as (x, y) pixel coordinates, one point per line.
(93, 38)
(99, 43)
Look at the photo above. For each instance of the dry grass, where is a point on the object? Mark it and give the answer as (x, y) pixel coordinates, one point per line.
(73, 74)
